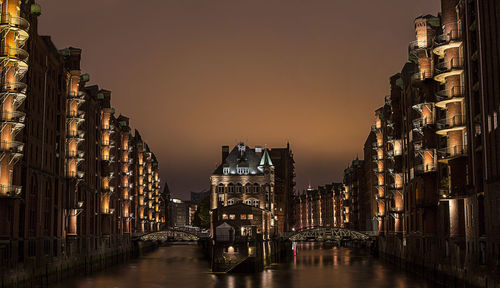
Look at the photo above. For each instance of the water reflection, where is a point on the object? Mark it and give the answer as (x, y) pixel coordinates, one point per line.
(314, 265)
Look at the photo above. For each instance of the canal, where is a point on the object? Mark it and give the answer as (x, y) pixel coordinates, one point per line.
(315, 265)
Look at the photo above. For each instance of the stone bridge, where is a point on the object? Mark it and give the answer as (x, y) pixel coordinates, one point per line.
(328, 234)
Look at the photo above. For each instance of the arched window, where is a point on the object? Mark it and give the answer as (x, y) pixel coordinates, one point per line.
(256, 188)
(248, 188)
(230, 188)
(252, 202)
(220, 188)
(239, 188)
(256, 203)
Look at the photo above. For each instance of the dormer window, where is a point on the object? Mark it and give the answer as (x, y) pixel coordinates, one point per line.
(226, 170)
(242, 170)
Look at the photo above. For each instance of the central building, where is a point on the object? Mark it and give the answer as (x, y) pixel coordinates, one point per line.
(242, 187)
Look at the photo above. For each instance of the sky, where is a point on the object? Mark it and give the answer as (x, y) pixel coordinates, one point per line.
(194, 75)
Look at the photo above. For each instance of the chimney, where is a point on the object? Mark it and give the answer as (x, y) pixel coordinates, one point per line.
(225, 153)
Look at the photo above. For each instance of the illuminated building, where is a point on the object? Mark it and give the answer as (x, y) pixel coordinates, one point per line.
(322, 207)
(246, 175)
(66, 181)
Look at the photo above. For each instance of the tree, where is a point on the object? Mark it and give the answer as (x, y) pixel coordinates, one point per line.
(202, 214)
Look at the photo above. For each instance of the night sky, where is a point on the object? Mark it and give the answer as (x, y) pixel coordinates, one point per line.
(194, 75)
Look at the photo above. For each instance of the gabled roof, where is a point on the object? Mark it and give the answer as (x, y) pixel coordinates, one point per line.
(242, 156)
(266, 159)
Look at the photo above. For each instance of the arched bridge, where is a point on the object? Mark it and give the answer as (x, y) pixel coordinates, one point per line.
(329, 234)
(172, 235)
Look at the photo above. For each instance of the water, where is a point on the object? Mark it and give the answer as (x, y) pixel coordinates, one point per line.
(314, 266)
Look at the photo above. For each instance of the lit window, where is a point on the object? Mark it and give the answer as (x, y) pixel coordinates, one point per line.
(232, 216)
(243, 216)
(489, 123)
(224, 216)
(478, 129)
(250, 217)
(242, 170)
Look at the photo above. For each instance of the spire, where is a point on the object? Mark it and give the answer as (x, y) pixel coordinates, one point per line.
(266, 159)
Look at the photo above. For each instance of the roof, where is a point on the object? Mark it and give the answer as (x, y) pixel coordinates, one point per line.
(253, 160)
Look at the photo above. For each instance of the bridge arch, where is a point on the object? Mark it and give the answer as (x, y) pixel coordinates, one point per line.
(169, 235)
(329, 234)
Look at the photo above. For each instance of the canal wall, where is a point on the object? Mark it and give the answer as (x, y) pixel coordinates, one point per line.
(246, 256)
(80, 265)
(426, 263)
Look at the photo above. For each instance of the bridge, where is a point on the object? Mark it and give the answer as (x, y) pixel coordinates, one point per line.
(328, 234)
(172, 235)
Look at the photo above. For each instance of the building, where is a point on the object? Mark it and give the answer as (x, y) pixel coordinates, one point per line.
(356, 193)
(284, 176)
(178, 213)
(246, 175)
(434, 147)
(322, 207)
(480, 32)
(68, 179)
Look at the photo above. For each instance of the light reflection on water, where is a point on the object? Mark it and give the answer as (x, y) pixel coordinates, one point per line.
(315, 265)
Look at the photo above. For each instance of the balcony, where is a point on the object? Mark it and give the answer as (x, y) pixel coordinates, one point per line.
(77, 95)
(454, 123)
(454, 94)
(449, 153)
(418, 45)
(76, 115)
(445, 193)
(10, 191)
(452, 39)
(13, 54)
(77, 154)
(425, 168)
(15, 89)
(15, 119)
(18, 24)
(396, 210)
(450, 68)
(11, 146)
(76, 135)
(395, 186)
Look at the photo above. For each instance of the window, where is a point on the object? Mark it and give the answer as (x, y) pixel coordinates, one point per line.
(242, 170)
(250, 217)
(220, 188)
(495, 120)
(248, 188)
(243, 216)
(256, 188)
(224, 216)
(221, 197)
(232, 216)
(230, 202)
(226, 170)
(256, 203)
(239, 188)
(248, 202)
(230, 188)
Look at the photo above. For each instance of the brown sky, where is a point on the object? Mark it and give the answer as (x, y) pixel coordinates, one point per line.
(197, 74)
